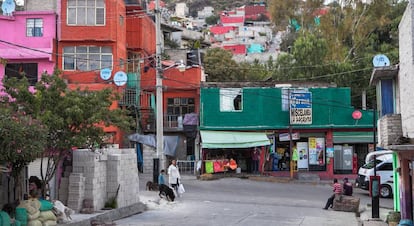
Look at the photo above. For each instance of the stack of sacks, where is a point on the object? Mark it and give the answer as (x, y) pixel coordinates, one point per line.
(47, 217)
(39, 212)
(21, 216)
(32, 207)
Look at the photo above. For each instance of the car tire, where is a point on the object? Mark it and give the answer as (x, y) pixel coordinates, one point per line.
(386, 191)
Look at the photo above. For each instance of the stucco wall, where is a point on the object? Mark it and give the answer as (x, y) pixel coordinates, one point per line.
(406, 78)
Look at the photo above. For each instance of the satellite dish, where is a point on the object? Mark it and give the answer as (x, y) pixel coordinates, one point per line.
(380, 60)
(106, 73)
(8, 7)
(120, 78)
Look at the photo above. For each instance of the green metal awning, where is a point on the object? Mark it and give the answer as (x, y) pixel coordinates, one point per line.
(353, 137)
(230, 139)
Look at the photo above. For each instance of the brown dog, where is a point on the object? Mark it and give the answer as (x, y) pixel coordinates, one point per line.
(152, 186)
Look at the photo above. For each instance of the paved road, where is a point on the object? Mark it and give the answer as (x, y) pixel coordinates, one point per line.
(234, 201)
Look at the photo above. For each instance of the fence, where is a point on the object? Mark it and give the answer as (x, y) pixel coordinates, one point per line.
(186, 167)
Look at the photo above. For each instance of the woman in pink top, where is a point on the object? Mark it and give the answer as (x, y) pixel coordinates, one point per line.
(337, 190)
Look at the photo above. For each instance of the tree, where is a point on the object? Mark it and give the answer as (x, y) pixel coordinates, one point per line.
(212, 20)
(283, 12)
(353, 34)
(73, 118)
(22, 140)
(220, 67)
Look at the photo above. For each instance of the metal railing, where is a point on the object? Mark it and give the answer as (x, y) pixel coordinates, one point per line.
(186, 167)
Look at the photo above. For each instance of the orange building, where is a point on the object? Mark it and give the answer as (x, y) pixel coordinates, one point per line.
(92, 37)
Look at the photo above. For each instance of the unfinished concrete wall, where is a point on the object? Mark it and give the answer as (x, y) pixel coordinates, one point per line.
(104, 170)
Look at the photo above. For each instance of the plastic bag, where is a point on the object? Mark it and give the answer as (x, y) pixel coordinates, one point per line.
(181, 189)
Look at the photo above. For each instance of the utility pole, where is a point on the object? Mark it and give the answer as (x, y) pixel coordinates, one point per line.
(159, 93)
(290, 138)
(375, 182)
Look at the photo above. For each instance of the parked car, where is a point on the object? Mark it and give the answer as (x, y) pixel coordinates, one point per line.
(384, 170)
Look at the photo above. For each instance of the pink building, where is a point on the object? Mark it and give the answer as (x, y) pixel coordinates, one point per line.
(27, 40)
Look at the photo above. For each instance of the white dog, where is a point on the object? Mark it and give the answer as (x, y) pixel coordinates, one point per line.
(62, 212)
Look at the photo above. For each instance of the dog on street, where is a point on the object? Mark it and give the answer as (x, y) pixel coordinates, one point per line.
(167, 192)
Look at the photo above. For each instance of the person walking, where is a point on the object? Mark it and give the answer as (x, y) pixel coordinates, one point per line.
(337, 190)
(174, 175)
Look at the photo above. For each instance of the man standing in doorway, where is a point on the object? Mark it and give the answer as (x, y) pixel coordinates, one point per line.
(256, 158)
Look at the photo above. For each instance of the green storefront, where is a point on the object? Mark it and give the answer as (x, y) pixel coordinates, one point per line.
(321, 121)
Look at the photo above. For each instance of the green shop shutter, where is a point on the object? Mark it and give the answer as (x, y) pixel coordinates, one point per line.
(353, 137)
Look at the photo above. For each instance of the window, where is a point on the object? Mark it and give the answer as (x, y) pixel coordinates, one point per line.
(285, 99)
(86, 58)
(34, 27)
(385, 167)
(86, 12)
(121, 20)
(19, 70)
(180, 106)
(231, 99)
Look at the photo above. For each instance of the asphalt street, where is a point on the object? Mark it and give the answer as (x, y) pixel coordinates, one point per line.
(235, 201)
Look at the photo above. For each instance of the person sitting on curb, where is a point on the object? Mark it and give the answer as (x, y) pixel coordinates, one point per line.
(337, 190)
(347, 187)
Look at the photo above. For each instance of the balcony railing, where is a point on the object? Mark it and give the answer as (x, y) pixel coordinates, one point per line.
(171, 122)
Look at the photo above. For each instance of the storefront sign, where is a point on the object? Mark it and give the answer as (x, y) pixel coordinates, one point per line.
(301, 108)
(286, 137)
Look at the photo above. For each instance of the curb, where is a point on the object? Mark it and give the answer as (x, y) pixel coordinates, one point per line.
(111, 215)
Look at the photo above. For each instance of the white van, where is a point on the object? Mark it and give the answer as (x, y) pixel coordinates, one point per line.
(384, 170)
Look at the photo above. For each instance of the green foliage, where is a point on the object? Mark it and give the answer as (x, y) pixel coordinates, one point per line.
(212, 20)
(22, 138)
(171, 43)
(220, 67)
(70, 118)
(393, 217)
(350, 36)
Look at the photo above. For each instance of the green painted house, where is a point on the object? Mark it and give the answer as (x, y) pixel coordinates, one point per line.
(320, 119)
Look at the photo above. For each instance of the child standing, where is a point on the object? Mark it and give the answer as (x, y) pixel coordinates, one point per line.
(161, 178)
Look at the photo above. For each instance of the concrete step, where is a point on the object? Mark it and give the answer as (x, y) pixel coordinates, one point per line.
(308, 177)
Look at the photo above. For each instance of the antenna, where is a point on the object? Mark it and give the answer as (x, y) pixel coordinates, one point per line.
(380, 60)
(8, 7)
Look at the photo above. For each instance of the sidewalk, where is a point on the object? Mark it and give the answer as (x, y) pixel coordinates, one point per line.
(367, 220)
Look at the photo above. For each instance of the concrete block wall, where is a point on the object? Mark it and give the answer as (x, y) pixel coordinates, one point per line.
(76, 192)
(148, 155)
(94, 170)
(123, 172)
(390, 129)
(103, 171)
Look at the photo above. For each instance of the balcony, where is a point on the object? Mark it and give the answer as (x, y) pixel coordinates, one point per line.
(172, 123)
(129, 98)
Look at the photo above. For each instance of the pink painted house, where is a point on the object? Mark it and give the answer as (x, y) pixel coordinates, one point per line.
(27, 44)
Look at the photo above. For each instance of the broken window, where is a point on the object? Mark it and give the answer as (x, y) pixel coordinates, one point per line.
(231, 99)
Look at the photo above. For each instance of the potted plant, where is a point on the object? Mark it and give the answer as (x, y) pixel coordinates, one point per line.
(393, 218)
